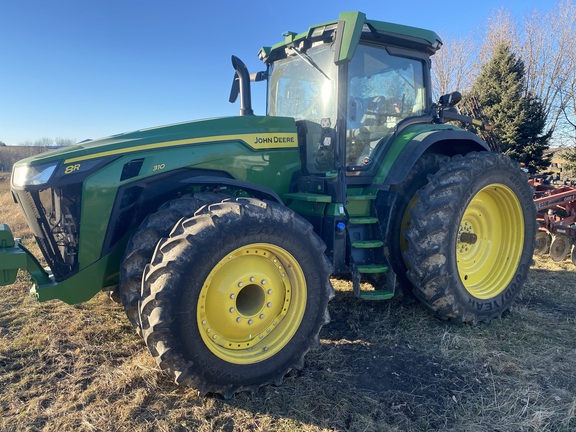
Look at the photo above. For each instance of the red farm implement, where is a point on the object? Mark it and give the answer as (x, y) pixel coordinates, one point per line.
(556, 216)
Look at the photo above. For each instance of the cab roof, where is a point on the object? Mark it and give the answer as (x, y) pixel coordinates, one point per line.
(347, 31)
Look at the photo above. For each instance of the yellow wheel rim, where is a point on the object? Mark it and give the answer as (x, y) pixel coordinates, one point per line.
(251, 303)
(490, 241)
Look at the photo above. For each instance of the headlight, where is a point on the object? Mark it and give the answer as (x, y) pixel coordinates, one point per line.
(27, 175)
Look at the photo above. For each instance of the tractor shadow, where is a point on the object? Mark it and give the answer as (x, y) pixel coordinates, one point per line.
(370, 369)
(385, 365)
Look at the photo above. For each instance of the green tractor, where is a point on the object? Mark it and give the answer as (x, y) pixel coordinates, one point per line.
(219, 237)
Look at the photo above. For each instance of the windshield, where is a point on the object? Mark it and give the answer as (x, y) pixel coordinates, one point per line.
(303, 86)
(382, 90)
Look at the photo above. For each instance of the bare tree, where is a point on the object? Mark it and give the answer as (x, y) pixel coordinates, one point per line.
(550, 55)
(453, 66)
(49, 142)
(500, 30)
(64, 142)
(545, 44)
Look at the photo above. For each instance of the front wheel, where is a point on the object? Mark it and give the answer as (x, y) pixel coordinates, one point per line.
(471, 240)
(235, 297)
(143, 242)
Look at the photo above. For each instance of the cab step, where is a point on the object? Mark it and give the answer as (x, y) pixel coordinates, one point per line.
(367, 244)
(367, 220)
(372, 268)
(376, 295)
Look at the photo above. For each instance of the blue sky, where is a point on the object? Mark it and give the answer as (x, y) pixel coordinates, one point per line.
(83, 69)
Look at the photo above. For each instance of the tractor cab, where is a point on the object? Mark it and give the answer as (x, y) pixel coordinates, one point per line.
(376, 90)
(349, 84)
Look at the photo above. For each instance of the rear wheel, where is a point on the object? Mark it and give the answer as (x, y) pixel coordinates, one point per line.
(400, 218)
(235, 297)
(471, 240)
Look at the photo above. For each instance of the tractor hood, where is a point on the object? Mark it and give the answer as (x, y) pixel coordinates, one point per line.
(242, 128)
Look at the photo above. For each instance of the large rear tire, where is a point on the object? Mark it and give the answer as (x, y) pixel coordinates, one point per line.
(400, 218)
(235, 297)
(471, 240)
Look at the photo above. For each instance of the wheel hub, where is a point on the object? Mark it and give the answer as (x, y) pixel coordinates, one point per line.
(246, 297)
(489, 241)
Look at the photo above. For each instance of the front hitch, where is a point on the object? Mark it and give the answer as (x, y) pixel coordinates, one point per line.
(14, 256)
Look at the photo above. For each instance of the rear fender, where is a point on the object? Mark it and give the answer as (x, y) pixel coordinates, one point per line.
(447, 142)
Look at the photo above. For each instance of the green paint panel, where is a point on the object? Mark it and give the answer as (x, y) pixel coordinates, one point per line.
(270, 167)
(309, 197)
(79, 288)
(353, 23)
(165, 137)
(415, 133)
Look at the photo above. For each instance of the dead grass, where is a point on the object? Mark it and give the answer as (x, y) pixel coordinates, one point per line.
(381, 366)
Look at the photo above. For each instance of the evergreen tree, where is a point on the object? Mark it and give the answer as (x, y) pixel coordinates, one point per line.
(569, 161)
(518, 118)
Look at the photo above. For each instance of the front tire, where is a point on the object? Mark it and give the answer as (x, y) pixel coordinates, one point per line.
(143, 242)
(471, 240)
(235, 297)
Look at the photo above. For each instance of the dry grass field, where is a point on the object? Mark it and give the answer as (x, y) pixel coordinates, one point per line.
(381, 366)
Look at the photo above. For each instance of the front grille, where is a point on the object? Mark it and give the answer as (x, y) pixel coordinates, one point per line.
(53, 215)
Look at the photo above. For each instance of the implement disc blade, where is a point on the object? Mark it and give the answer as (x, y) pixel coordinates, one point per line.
(543, 240)
(560, 247)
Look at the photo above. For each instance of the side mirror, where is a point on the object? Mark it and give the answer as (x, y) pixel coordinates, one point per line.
(259, 76)
(449, 100)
